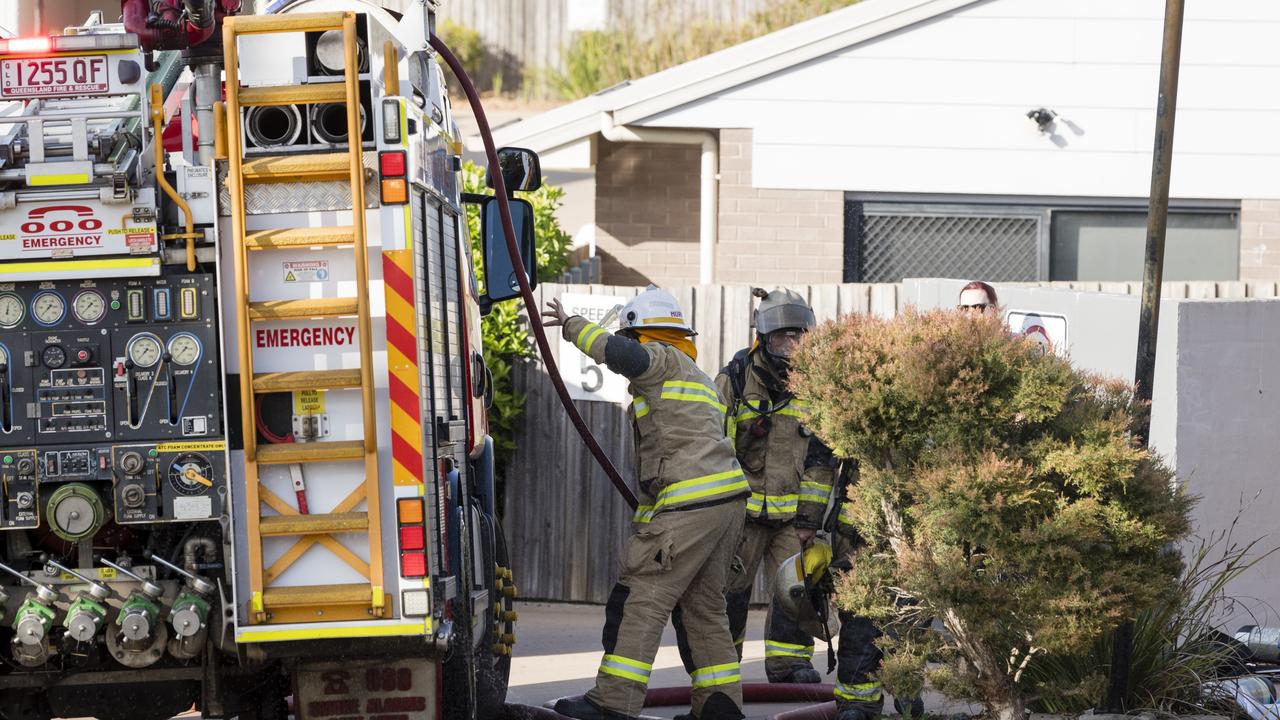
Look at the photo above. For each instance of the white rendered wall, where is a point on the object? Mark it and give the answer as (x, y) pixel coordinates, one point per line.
(941, 107)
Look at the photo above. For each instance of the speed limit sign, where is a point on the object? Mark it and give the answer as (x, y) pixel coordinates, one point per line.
(582, 376)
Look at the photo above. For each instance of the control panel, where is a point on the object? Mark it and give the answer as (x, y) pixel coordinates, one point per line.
(94, 372)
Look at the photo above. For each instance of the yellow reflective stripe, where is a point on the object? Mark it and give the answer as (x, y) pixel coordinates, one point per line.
(669, 320)
(644, 514)
(716, 675)
(781, 649)
(793, 412)
(256, 635)
(858, 692)
(747, 415)
(692, 392)
(702, 487)
(640, 407)
(815, 492)
(844, 519)
(78, 265)
(775, 503)
(588, 336)
(626, 668)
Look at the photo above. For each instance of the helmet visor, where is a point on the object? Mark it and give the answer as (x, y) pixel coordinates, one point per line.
(783, 343)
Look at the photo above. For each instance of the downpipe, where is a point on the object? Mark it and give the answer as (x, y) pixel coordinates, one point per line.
(708, 195)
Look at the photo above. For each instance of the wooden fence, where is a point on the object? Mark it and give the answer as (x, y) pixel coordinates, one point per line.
(565, 525)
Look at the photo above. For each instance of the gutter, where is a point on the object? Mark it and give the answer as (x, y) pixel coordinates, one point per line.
(708, 205)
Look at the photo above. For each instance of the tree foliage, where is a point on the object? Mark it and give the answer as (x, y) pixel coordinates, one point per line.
(506, 335)
(1001, 492)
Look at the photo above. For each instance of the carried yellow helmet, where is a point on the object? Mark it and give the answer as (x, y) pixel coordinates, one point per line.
(793, 587)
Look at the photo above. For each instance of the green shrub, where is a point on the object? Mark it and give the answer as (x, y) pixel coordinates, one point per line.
(639, 46)
(506, 336)
(1001, 493)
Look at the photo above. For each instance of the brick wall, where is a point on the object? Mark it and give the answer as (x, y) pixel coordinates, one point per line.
(647, 213)
(1260, 240)
(647, 219)
(775, 236)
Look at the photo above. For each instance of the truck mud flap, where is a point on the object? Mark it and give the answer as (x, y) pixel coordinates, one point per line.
(385, 689)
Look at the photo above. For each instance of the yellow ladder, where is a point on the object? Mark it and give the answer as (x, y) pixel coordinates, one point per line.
(268, 603)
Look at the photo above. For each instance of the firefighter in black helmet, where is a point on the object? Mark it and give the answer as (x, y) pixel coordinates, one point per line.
(788, 470)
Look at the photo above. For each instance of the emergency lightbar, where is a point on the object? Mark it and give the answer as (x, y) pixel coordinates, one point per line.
(68, 43)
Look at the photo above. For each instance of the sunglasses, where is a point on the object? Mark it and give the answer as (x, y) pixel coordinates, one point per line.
(976, 306)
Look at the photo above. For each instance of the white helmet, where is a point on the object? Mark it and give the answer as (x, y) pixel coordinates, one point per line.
(651, 309)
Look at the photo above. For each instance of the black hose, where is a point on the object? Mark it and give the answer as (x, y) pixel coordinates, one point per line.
(544, 348)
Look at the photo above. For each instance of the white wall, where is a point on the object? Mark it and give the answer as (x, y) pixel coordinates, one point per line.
(941, 107)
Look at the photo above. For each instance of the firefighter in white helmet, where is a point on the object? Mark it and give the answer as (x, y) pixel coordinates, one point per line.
(790, 473)
(692, 497)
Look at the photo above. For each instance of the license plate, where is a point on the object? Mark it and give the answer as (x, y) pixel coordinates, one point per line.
(49, 77)
(367, 690)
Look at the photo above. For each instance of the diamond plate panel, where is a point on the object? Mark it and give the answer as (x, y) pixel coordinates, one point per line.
(992, 247)
(268, 198)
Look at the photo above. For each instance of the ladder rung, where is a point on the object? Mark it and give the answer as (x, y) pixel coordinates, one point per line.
(322, 451)
(300, 22)
(299, 309)
(297, 168)
(329, 92)
(300, 237)
(317, 595)
(347, 522)
(305, 380)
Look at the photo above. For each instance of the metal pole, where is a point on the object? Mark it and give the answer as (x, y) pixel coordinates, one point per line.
(1153, 272)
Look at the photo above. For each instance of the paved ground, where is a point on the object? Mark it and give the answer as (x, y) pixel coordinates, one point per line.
(558, 650)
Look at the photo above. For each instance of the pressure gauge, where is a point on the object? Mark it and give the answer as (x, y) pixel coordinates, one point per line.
(89, 307)
(4, 356)
(48, 308)
(53, 357)
(184, 349)
(12, 310)
(144, 350)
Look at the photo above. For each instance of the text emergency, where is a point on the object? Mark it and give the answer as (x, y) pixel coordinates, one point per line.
(304, 337)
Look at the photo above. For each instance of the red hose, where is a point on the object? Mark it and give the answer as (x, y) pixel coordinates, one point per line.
(544, 347)
(751, 693)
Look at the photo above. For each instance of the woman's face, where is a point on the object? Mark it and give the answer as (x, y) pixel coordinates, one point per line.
(976, 300)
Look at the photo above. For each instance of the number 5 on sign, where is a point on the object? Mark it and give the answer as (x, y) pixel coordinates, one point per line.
(582, 376)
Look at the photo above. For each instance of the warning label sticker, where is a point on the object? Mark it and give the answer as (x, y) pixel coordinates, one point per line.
(305, 271)
(206, 445)
(308, 402)
(192, 508)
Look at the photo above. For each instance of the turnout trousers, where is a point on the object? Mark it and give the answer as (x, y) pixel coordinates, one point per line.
(786, 646)
(680, 559)
(857, 657)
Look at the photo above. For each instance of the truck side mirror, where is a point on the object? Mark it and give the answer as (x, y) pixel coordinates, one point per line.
(521, 169)
(500, 281)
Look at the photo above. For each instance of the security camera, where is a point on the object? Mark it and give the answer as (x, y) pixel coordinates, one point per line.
(1043, 117)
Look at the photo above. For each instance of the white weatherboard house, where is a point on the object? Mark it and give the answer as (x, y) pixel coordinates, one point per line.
(892, 139)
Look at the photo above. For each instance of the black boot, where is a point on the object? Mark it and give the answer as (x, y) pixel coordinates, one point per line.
(796, 674)
(720, 707)
(847, 710)
(580, 708)
(909, 709)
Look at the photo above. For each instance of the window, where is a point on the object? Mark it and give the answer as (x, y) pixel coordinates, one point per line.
(1111, 245)
(890, 241)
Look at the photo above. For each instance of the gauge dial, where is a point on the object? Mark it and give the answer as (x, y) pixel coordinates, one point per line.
(12, 310)
(49, 308)
(190, 474)
(4, 356)
(144, 350)
(184, 349)
(54, 357)
(89, 307)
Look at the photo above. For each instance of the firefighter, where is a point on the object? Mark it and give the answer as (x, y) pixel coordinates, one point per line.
(692, 496)
(801, 594)
(790, 484)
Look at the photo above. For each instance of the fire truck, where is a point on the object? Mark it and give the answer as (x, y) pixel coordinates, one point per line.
(244, 455)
